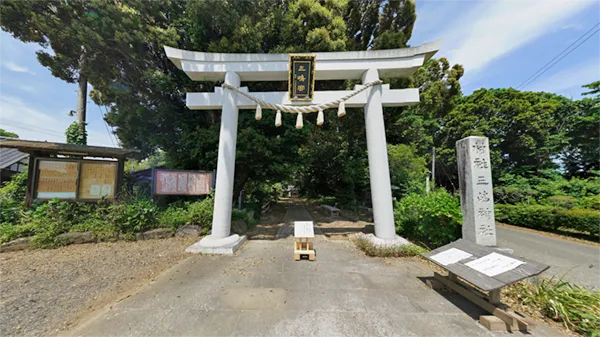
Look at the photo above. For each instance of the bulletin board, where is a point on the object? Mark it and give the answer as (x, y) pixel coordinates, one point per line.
(182, 182)
(57, 179)
(97, 180)
(75, 179)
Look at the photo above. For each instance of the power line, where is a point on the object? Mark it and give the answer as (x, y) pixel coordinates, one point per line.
(30, 127)
(551, 64)
(113, 130)
(34, 130)
(558, 55)
(106, 126)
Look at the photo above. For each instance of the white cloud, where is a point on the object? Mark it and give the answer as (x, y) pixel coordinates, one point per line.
(32, 124)
(492, 29)
(17, 68)
(568, 82)
(27, 88)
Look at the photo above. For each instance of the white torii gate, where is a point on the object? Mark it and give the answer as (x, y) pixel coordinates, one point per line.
(234, 68)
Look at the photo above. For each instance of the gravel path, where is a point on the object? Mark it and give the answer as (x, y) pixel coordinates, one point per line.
(47, 291)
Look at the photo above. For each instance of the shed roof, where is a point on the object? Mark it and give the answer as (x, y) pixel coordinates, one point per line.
(30, 146)
(10, 156)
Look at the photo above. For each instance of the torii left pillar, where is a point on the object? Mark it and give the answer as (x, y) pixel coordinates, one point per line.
(220, 241)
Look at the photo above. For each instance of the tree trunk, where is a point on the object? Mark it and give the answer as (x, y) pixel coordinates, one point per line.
(82, 92)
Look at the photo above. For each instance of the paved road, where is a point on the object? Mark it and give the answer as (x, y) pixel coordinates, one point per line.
(581, 262)
(263, 292)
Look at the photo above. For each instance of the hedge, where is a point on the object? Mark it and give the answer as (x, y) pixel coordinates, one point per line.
(546, 217)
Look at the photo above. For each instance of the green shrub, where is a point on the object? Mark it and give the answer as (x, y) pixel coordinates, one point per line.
(524, 215)
(12, 198)
(563, 201)
(201, 212)
(190, 213)
(592, 201)
(514, 195)
(544, 217)
(7, 232)
(580, 219)
(137, 216)
(102, 229)
(434, 219)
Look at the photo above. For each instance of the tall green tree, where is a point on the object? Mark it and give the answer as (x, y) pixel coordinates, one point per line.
(582, 155)
(379, 24)
(527, 130)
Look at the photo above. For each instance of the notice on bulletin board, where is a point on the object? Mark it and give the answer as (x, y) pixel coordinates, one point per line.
(57, 179)
(97, 180)
(172, 182)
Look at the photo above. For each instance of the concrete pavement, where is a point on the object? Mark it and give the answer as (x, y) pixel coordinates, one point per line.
(262, 291)
(579, 261)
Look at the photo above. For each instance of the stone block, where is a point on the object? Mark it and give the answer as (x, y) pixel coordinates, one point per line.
(189, 230)
(159, 233)
(14, 245)
(77, 237)
(239, 227)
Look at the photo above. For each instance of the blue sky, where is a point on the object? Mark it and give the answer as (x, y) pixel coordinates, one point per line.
(499, 43)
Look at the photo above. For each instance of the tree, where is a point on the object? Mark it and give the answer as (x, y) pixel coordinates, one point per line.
(145, 93)
(527, 130)
(379, 24)
(439, 90)
(4, 133)
(594, 88)
(407, 170)
(582, 155)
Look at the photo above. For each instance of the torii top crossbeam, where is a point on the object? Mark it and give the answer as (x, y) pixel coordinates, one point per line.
(232, 69)
(330, 65)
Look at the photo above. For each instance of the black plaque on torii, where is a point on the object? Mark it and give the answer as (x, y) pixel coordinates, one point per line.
(301, 77)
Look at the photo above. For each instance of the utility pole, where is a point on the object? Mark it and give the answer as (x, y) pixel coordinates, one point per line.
(433, 169)
(82, 90)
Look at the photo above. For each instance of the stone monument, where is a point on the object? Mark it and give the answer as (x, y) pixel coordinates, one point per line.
(476, 190)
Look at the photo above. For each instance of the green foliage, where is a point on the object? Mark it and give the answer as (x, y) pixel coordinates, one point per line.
(4, 133)
(434, 219)
(137, 216)
(394, 251)
(546, 217)
(563, 201)
(516, 189)
(407, 170)
(12, 198)
(577, 308)
(526, 129)
(533, 216)
(76, 134)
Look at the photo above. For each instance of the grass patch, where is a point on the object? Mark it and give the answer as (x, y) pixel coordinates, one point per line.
(394, 251)
(575, 307)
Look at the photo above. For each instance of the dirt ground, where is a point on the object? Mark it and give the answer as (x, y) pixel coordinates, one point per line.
(47, 291)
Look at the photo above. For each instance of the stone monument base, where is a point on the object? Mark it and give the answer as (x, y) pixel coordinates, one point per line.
(379, 242)
(223, 246)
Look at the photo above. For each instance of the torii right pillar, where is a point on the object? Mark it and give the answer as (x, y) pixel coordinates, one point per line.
(379, 171)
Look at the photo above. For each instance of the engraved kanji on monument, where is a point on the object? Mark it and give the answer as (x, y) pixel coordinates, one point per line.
(476, 191)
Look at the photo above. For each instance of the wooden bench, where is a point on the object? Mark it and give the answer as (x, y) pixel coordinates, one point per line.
(479, 273)
(303, 245)
(332, 211)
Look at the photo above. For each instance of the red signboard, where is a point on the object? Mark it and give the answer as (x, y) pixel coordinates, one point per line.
(171, 182)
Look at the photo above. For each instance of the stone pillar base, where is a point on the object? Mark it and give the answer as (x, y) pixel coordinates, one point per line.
(379, 242)
(224, 246)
